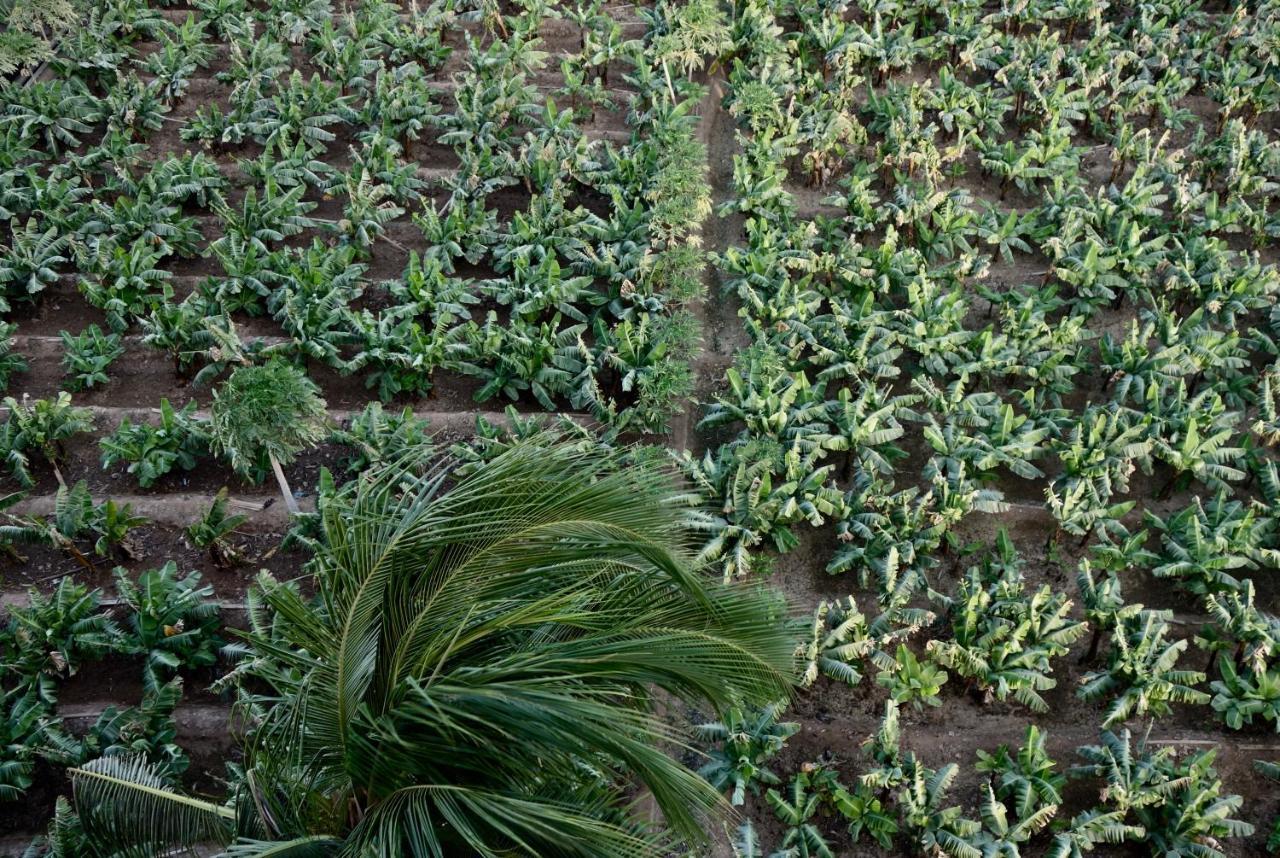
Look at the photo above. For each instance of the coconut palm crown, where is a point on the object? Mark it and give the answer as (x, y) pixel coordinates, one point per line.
(478, 672)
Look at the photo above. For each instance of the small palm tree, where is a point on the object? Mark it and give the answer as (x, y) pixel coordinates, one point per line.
(272, 411)
(477, 672)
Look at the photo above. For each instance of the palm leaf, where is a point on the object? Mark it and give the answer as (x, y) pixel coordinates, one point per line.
(121, 801)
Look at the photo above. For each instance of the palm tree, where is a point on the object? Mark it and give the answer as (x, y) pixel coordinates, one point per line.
(477, 672)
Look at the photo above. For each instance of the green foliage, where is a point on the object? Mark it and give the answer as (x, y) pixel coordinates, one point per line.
(54, 635)
(1005, 639)
(39, 427)
(21, 722)
(86, 357)
(840, 639)
(11, 363)
(29, 263)
(932, 827)
(910, 680)
(177, 441)
(1178, 803)
(76, 517)
(796, 810)
(147, 731)
(173, 623)
(270, 410)
(1092, 828)
(1026, 779)
(560, 690)
(214, 529)
(1142, 671)
(127, 282)
(1203, 544)
(378, 436)
(31, 28)
(52, 113)
(744, 742)
(1238, 697)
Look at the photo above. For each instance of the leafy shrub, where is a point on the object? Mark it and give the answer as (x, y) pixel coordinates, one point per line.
(270, 410)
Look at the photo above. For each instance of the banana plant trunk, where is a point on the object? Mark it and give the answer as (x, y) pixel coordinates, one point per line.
(284, 485)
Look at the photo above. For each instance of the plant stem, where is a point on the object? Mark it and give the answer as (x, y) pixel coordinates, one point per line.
(284, 486)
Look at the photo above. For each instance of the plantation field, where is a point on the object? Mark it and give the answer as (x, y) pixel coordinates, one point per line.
(964, 312)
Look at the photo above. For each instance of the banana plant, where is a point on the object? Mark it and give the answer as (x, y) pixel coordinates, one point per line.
(370, 205)
(1239, 697)
(1267, 426)
(796, 810)
(841, 639)
(766, 491)
(173, 623)
(1194, 436)
(55, 113)
(76, 517)
(1206, 545)
(246, 279)
(300, 109)
(1179, 804)
(127, 282)
(931, 827)
(1004, 639)
(86, 356)
(261, 220)
(1238, 627)
(744, 741)
(910, 680)
(40, 427)
(149, 452)
(54, 635)
(1103, 603)
(888, 537)
(1091, 828)
(1102, 450)
(22, 723)
(214, 529)
(1142, 671)
(1027, 779)
(147, 730)
(29, 263)
(376, 435)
